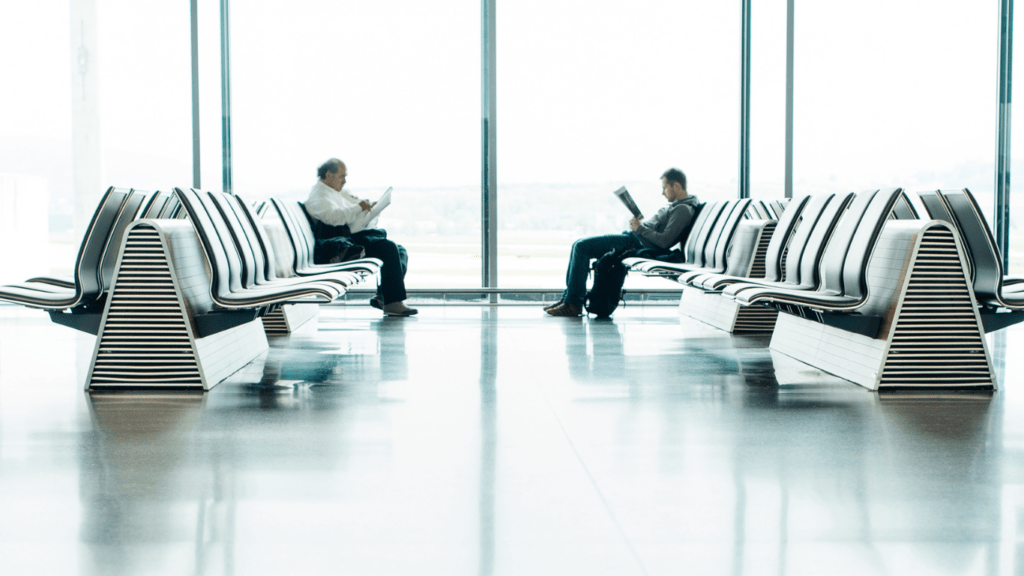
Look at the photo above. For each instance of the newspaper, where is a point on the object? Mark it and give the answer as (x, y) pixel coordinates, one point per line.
(623, 195)
(365, 218)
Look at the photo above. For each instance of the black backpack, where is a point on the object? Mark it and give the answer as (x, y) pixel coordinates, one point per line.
(609, 276)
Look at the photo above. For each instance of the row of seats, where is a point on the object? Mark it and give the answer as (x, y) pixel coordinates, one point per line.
(175, 286)
(77, 300)
(870, 292)
(994, 292)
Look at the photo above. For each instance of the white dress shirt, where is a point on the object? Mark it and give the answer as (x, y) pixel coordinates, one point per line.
(333, 207)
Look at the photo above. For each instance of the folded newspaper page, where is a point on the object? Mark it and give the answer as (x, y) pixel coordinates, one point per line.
(365, 218)
(624, 195)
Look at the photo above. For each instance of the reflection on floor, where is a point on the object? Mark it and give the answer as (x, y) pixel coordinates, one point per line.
(474, 440)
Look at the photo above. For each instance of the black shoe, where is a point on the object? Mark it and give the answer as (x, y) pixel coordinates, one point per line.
(377, 302)
(405, 311)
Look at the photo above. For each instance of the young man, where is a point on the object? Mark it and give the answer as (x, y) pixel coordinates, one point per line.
(663, 230)
(335, 208)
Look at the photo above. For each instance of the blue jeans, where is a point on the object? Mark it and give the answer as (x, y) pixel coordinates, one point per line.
(579, 262)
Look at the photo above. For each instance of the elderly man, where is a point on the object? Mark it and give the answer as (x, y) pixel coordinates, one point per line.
(334, 208)
(661, 231)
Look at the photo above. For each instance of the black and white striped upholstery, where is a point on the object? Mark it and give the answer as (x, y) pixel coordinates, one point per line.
(844, 263)
(784, 230)
(693, 248)
(117, 208)
(296, 223)
(227, 287)
(818, 222)
(257, 262)
(991, 288)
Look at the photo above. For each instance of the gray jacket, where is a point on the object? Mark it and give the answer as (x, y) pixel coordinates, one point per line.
(666, 228)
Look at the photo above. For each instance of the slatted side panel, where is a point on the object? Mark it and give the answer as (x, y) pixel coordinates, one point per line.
(274, 323)
(757, 267)
(937, 340)
(145, 340)
(755, 319)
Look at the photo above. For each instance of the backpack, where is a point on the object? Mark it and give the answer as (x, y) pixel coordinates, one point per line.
(609, 276)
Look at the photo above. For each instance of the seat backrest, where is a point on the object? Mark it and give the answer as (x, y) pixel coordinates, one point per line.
(171, 208)
(153, 208)
(303, 250)
(707, 210)
(131, 210)
(780, 239)
(980, 243)
(701, 240)
(805, 272)
(855, 267)
(904, 209)
(304, 223)
(225, 272)
(247, 214)
(937, 209)
(88, 284)
(248, 241)
(756, 211)
(230, 230)
(725, 234)
(833, 260)
(695, 221)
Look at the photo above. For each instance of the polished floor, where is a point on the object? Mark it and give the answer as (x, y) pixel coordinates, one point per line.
(477, 440)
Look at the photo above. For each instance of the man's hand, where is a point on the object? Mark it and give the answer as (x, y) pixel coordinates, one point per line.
(365, 205)
(634, 224)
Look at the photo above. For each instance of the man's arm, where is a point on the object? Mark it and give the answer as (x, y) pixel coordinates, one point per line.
(676, 219)
(331, 213)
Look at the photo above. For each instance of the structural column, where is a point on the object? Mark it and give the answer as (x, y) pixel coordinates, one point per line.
(196, 158)
(488, 147)
(790, 34)
(85, 113)
(744, 171)
(225, 95)
(1002, 187)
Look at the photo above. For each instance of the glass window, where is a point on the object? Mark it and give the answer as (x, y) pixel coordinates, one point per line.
(393, 89)
(145, 94)
(597, 95)
(1016, 256)
(92, 99)
(895, 93)
(36, 199)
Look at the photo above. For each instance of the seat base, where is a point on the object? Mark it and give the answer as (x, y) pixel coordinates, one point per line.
(724, 313)
(289, 318)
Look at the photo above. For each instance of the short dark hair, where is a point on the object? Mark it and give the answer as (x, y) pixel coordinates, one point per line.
(331, 166)
(675, 175)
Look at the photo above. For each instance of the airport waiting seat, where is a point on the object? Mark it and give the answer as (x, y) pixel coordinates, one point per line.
(844, 287)
(293, 216)
(1000, 298)
(76, 302)
(806, 247)
(183, 310)
(780, 239)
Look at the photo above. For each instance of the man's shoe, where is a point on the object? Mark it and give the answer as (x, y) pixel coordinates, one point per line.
(399, 309)
(377, 302)
(566, 310)
(555, 305)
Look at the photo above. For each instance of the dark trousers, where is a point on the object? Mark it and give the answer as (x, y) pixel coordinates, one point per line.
(392, 273)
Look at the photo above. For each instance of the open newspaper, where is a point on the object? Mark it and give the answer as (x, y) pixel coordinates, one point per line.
(624, 195)
(365, 218)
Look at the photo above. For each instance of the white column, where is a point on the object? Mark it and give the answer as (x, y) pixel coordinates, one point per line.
(85, 113)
